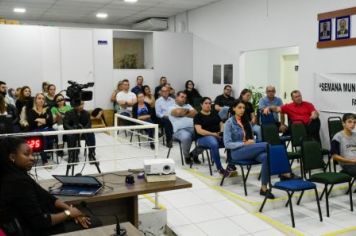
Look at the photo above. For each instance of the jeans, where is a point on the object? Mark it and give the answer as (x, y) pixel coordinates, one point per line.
(256, 129)
(167, 125)
(186, 137)
(256, 151)
(72, 142)
(214, 144)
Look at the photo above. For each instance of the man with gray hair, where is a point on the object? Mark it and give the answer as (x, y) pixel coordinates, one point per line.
(271, 100)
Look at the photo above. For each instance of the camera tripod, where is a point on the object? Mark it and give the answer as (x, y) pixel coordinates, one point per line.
(73, 157)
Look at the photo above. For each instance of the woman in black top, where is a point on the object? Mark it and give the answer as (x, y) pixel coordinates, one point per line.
(50, 101)
(24, 98)
(39, 118)
(192, 94)
(208, 127)
(245, 96)
(38, 212)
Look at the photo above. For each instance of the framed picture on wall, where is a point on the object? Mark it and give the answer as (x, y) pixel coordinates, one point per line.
(325, 30)
(342, 26)
(216, 74)
(228, 74)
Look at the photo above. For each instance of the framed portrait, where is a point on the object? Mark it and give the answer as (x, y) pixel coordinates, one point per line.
(325, 30)
(342, 27)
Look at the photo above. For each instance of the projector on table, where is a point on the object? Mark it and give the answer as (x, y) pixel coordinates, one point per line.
(157, 170)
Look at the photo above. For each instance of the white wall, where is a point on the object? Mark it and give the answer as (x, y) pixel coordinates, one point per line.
(172, 55)
(33, 54)
(223, 30)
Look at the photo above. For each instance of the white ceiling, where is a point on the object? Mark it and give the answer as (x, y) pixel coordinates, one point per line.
(84, 11)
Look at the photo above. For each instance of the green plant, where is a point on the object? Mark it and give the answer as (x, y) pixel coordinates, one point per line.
(257, 94)
(129, 61)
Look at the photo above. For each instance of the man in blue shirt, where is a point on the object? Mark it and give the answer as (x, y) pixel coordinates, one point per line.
(181, 116)
(271, 100)
(138, 87)
(162, 105)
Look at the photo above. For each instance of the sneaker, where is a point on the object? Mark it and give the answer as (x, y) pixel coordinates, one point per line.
(267, 194)
(152, 145)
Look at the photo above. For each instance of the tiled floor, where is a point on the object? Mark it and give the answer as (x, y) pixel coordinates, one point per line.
(208, 209)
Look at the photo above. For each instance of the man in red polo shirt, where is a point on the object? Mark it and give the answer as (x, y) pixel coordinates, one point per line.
(300, 111)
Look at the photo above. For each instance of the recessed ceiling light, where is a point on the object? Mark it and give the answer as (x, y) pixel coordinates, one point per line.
(130, 1)
(102, 15)
(19, 10)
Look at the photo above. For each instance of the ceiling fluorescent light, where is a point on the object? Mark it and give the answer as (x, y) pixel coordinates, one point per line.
(130, 1)
(19, 10)
(101, 15)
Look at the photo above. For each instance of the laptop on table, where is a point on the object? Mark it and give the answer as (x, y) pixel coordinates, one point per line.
(77, 186)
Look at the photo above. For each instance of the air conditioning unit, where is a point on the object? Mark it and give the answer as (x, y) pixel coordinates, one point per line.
(152, 24)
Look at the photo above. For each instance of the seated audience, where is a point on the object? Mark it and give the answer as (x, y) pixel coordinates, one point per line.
(245, 96)
(21, 197)
(24, 99)
(149, 98)
(192, 93)
(3, 91)
(223, 102)
(113, 96)
(162, 106)
(10, 111)
(271, 100)
(12, 94)
(162, 82)
(78, 118)
(343, 145)
(50, 101)
(17, 93)
(125, 99)
(58, 111)
(139, 84)
(172, 91)
(300, 111)
(208, 129)
(143, 111)
(45, 87)
(39, 118)
(239, 139)
(181, 116)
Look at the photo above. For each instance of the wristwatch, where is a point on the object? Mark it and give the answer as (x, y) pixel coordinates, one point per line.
(67, 213)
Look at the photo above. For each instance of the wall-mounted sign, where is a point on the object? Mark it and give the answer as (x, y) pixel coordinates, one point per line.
(102, 42)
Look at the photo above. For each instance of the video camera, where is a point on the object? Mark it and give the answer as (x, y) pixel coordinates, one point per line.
(76, 94)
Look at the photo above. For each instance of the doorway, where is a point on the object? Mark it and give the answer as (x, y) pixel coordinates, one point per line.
(289, 76)
(277, 66)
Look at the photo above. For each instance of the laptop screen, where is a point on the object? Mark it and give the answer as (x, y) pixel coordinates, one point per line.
(78, 180)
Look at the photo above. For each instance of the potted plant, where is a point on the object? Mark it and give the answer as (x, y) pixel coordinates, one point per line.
(257, 94)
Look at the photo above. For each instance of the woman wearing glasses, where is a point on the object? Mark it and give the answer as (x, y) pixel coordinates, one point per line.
(58, 112)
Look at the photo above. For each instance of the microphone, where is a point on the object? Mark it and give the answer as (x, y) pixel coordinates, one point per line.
(119, 231)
